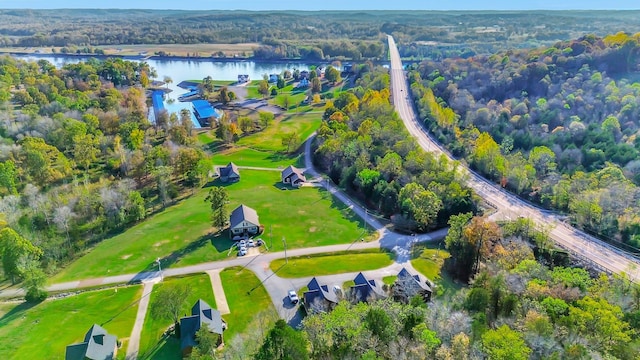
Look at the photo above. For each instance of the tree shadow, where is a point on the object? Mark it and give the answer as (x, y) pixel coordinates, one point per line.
(218, 240)
(16, 312)
(167, 347)
(219, 183)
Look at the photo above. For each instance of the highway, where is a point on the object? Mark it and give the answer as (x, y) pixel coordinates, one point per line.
(604, 256)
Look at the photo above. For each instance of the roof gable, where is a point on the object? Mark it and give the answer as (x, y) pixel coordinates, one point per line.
(243, 213)
(97, 345)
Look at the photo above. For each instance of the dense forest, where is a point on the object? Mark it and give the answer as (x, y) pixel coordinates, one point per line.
(312, 35)
(79, 158)
(557, 125)
(515, 308)
(364, 147)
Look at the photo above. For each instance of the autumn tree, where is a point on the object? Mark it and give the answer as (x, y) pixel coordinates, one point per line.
(14, 250)
(504, 343)
(168, 303)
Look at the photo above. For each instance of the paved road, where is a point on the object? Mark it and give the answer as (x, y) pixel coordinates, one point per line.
(508, 205)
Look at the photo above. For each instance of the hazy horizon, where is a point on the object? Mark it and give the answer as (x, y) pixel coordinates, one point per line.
(259, 5)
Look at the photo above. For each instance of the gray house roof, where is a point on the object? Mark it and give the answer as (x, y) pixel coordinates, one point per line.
(294, 173)
(243, 213)
(97, 345)
(231, 170)
(318, 298)
(201, 313)
(365, 290)
(412, 283)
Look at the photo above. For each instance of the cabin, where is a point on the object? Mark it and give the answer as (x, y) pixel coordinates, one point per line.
(244, 222)
(205, 113)
(366, 290)
(318, 298)
(273, 78)
(243, 78)
(97, 345)
(293, 176)
(229, 173)
(201, 314)
(408, 286)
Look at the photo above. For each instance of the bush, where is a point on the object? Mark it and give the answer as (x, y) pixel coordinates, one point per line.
(36, 295)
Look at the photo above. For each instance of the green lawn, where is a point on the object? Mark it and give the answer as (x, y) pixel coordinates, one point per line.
(152, 344)
(247, 309)
(429, 261)
(332, 263)
(182, 234)
(250, 157)
(43, 331)
(271, 138)
(389, 279)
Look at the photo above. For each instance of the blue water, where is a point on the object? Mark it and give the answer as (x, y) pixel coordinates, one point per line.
(181, 70)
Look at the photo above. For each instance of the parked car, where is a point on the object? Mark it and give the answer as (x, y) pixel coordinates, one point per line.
(243, 248)
(242, 243)
(293, 297)
(242, 252)
(250, 243)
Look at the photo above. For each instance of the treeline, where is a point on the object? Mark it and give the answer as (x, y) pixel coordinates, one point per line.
(364, 147)
(420, 33)
(515, 308)
(556, 125)
(79, 158)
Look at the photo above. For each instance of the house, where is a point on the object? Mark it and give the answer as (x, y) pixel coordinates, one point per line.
(97, 345)
(273, 78)
(319, 299)
(205, 113)
(407, 286)
(244, 222)
(366, 290)
(229, 173)
(303, 83)
(201, 313)
(304, 74)
(293, 176)
(243, 78)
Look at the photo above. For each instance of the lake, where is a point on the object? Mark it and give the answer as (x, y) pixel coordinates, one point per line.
(180, 70)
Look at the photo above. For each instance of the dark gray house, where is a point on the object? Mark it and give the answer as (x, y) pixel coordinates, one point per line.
(97, 345)
(292, 176)
(407, 286)
(366, 290)
(201, 313)
(319, 298)
(229, 173)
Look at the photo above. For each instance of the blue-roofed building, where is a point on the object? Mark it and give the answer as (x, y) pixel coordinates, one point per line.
(157, 98)
(97, 345)
(205, 113)
(366, 290)
(319, 299)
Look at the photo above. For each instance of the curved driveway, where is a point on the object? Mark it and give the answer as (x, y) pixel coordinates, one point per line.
(508, 205)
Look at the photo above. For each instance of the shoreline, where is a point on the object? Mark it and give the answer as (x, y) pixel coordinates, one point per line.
(186, 58)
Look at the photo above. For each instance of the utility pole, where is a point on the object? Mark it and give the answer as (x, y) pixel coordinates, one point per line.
(159, 269)
(286, 259)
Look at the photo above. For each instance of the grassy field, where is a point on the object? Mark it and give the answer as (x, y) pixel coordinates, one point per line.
(246, 308)
(332, 263)
(43, 331)
(250, 157)
(271, 138)
(182, 234)
(152, 344)
(429, 261)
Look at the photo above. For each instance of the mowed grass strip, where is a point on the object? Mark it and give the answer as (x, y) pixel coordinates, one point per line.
(332, 263)
(247, 308)
(270, 139)
(429, 262)
(152, 344)
(182, 235)
(43, 331)
(243, 156)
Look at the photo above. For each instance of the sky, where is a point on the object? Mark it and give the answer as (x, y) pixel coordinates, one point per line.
(329, 4)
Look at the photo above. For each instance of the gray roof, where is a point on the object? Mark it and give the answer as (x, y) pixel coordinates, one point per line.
(243, 213)
(365, 290)
(318, 298)
(231, 170)
(201, 313)
(412, 283)
(97, 345)
(294, 173)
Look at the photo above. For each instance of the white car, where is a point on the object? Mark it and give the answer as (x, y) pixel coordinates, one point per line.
(242, 252)
(250, 243)
(293, 297)
(243, 248)
(242, 243)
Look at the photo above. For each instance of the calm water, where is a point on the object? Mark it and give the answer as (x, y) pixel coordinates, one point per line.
(180, 70)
